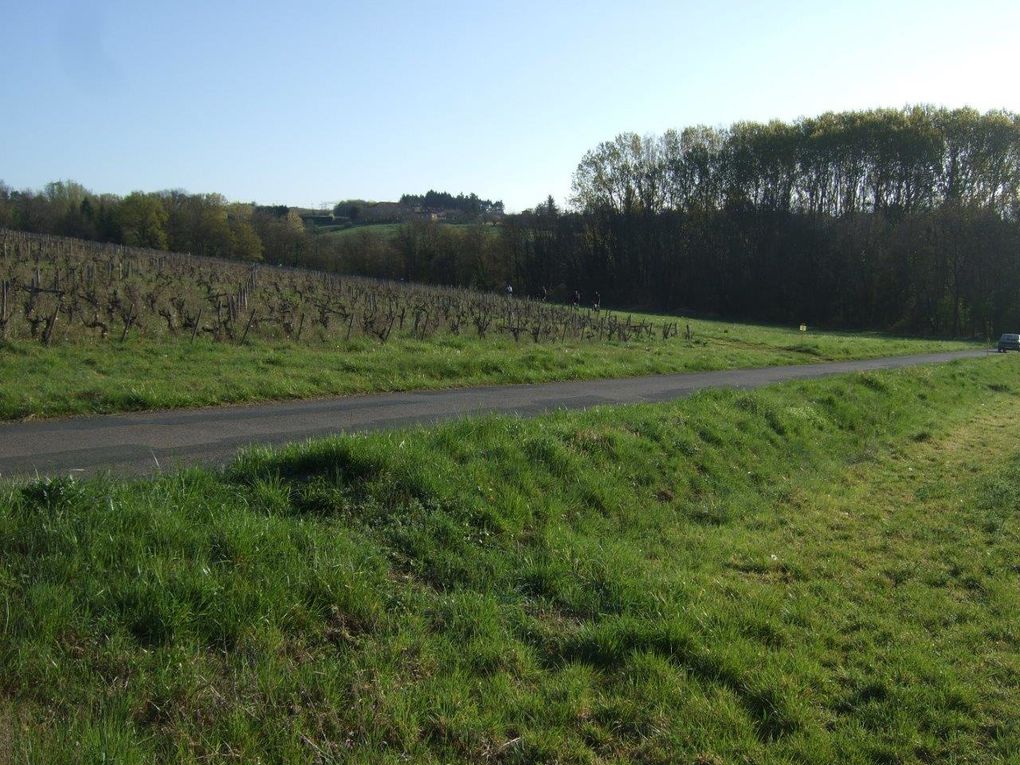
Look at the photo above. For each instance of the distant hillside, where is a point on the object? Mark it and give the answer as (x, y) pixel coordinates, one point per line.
(433, 205)
(441, 202)
(390, 231)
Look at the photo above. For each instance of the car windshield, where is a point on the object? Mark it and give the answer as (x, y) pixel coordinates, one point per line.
(1009, 338)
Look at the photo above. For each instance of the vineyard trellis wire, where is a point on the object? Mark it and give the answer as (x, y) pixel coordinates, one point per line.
(58, 288)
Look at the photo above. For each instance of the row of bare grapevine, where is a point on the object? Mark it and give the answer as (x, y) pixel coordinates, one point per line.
(55, 288)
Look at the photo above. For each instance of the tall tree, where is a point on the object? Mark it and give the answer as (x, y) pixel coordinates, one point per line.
(143, 221)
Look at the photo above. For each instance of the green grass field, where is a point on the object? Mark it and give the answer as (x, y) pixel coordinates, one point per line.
(383, 230)
(391, 230)
(815, 572)
(97, 377)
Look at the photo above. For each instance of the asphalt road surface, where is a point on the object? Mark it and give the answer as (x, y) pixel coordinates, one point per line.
(148, 442)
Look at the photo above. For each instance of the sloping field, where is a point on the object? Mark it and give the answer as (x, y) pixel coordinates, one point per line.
(814, 572)
(89, 328)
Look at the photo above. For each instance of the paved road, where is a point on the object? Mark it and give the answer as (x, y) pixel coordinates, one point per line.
(146, 442)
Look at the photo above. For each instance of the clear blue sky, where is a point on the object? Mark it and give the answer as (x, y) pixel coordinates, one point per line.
(264, 101)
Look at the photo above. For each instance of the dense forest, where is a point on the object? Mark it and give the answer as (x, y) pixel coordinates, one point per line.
(904, 220)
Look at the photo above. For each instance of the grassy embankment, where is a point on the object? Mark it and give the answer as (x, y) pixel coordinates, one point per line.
(88, 378)
(816, 572)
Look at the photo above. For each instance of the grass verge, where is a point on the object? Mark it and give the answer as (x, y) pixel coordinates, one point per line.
(815, 572)
(74, 379)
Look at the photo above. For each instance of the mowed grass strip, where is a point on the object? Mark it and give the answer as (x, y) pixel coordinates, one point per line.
(104, 377)
(813, 572)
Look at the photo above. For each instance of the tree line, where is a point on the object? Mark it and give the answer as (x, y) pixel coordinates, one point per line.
(904, 220)
(200, 224)
(463, 208)
(468, 204)
(882, 160)
(900, 220)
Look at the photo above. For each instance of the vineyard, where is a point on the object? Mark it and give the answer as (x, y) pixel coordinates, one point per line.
(58, 289)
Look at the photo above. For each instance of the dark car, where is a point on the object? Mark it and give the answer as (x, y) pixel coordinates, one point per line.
(1009, 342)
